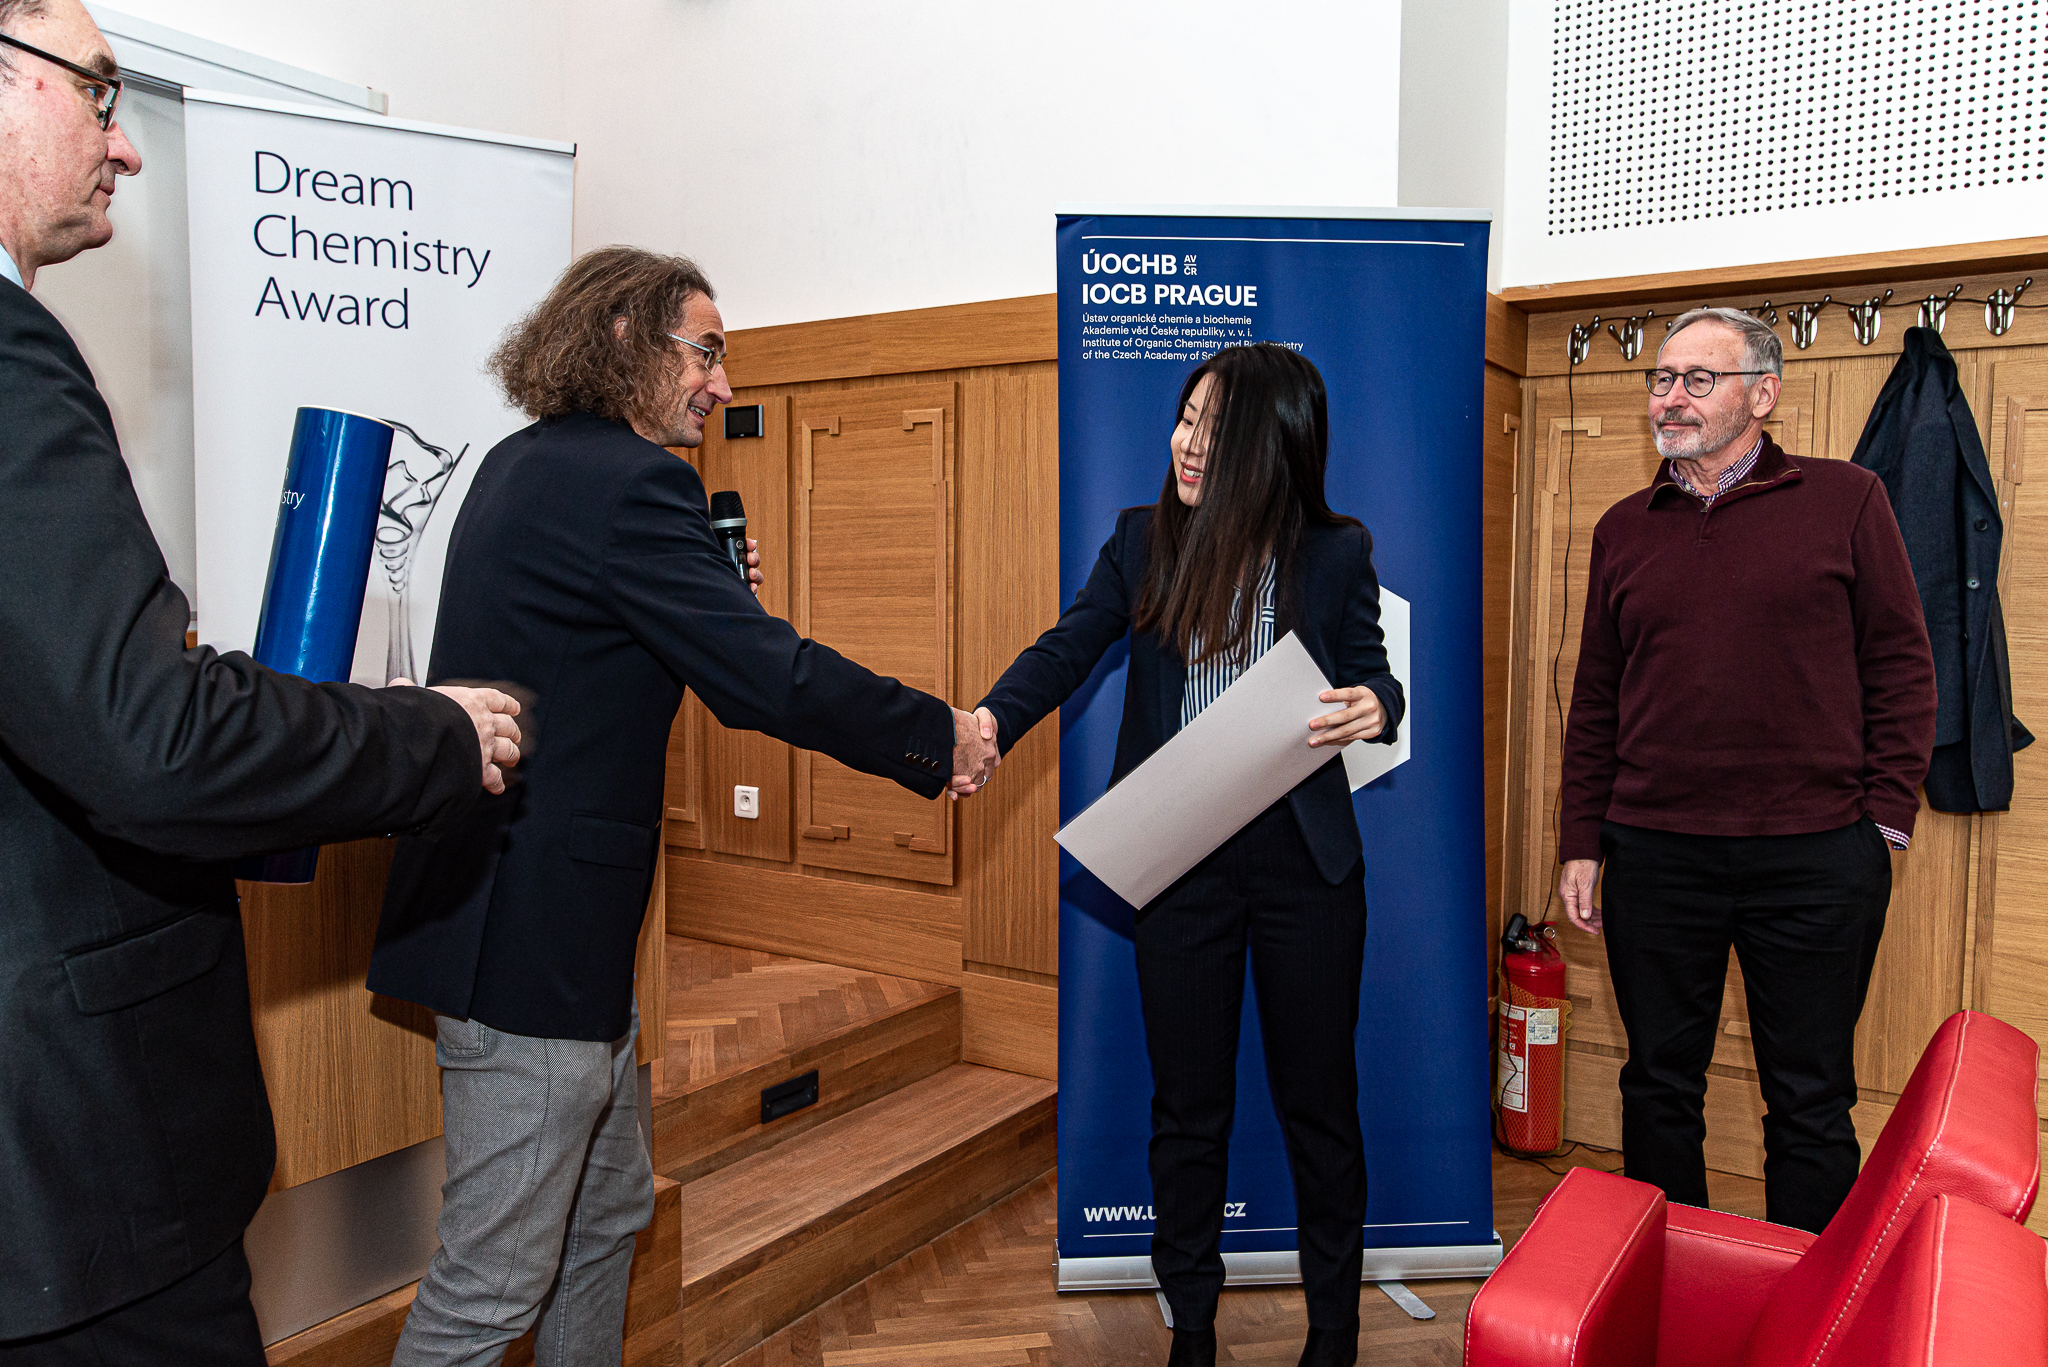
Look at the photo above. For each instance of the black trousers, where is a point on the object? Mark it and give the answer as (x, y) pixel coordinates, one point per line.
(202, 1318)
(1261, 892)
(1804, 914)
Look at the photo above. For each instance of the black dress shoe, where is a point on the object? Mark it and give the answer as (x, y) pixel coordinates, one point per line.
(1330, 1347)
(1193, 1348)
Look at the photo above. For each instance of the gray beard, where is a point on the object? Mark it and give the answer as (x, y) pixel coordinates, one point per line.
(1698, 443)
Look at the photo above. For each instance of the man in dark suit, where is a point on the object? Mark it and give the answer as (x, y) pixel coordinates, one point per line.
(135, 1136)
(583, 566)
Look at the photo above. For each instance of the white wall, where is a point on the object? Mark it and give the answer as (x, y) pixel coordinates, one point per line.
(493, 64)
(901, 153)
(822, 159)
(1454, 71)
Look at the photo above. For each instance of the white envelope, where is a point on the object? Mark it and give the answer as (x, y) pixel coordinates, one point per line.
(1243, 753)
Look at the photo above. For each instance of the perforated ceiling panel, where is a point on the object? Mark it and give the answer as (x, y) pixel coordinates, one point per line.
(1664, 111)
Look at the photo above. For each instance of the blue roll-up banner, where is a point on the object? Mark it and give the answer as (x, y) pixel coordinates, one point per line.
(319, 570)
(1390, 305)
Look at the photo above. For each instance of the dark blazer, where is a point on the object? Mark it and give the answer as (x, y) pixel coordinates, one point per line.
(1921, 440)
(583, 570)
(1336, 615)
(135, 1136)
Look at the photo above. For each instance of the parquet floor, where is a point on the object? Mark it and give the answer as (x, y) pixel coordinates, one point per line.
(730, 1008)
(982, 1296)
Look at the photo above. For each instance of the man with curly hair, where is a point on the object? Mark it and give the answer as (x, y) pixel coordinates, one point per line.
(583, 566)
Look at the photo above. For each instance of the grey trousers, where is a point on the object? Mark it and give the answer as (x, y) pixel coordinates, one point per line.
(548, 1182)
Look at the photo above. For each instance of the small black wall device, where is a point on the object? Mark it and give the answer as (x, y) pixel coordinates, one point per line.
(744, 421)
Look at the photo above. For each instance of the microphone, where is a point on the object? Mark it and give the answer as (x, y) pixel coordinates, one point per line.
(729, 525)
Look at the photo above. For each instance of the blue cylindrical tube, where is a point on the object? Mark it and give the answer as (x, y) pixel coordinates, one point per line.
(319, 567)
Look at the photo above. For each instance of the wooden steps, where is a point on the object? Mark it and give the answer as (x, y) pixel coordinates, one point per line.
(773, 1236)
(904, 1142)
(741, 1020)
(757, 1225)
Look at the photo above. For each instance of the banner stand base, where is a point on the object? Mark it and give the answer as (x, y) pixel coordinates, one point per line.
(1275, 1269)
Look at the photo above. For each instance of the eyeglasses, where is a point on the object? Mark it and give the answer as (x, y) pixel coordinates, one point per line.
(712, 359)
(1698, 383)
(103, 91)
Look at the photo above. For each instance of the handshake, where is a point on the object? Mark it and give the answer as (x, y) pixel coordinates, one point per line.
(491, 712)
(975, 756)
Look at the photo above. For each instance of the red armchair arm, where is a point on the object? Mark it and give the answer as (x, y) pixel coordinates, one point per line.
(1719, 1271)
(1581, 1288)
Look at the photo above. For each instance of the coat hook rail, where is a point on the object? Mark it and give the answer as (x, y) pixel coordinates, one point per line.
(1802, 319)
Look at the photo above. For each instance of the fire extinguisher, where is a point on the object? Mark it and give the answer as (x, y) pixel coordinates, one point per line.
(1534, 1015)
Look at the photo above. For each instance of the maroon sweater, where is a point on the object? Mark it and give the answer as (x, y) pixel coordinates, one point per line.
(1757, 668)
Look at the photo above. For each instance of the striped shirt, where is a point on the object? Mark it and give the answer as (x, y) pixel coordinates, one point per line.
(1725, 481)
(1207, 680)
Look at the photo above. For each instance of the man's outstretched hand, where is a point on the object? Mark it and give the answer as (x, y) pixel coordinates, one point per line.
(497, 735)
(975, 756)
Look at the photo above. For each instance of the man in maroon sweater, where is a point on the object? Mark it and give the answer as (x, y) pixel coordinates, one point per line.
(1752, 716)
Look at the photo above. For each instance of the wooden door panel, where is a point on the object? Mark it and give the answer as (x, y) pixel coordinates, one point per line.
(1853, 384)
(1917, 982)
(2017, 932)
(1792, 422)
(875, 573)
(683, 823)
(1593, 448)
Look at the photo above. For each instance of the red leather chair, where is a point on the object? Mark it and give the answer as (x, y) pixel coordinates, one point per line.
(1965, 1288)
(1744, 1293)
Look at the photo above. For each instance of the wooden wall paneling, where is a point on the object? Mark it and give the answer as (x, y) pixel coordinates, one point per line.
(1531, 460)
(992, 332)
(1536, 716)
(1791, 423)
(1010, 1025)
(758, 468)
(1917, 982)
(650, 972)
(2013, 943)
(682, 815)
(1008, 561)
(861, 925)
(1507, 336)
(1598, 450)
(351, 1076)
(1734, 1114)
(1853, 385)
(1502, 408)
(682, 820)
(875, 527)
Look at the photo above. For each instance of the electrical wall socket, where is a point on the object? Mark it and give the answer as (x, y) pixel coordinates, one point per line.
(746, 802)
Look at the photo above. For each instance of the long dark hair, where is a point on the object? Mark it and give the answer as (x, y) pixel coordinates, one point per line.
(1262, 487)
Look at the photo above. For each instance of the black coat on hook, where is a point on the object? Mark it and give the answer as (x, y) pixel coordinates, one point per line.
(1922, 441)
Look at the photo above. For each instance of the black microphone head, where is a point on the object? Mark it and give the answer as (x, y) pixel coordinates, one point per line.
(727, 508)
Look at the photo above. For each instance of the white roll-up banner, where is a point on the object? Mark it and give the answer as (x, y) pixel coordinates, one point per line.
(346, 261)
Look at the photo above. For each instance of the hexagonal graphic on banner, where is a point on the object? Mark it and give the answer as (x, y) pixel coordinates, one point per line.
(1364, 763)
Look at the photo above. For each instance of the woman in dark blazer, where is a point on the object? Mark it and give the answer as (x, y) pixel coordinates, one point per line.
(1241, 547)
